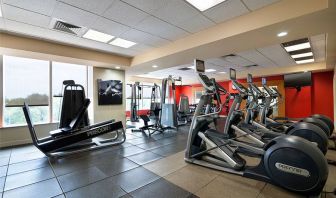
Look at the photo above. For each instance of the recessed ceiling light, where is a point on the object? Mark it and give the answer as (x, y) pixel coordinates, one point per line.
(302, 55)
(281, 34)
(192, 67)
(154, 66)
(305, 61)
(223, 72)
(203, 5)
(97, 36)
(122, 43)
(297, 47)
(117, 67)
(210, 70)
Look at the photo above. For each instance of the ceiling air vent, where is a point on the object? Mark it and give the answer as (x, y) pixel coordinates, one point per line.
(67, 27)
(255, 65)
(184, 69)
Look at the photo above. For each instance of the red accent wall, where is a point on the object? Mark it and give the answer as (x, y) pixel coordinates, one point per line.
(317, 98)
(322, 94)
(298, 104)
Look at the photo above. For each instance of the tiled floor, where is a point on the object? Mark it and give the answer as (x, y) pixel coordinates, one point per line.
(141, 167)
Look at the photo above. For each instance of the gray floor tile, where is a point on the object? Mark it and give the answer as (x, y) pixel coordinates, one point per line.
(81, 178)
(60, 196)
(26, 157)
(144, 158)
(126, 196)
(139, 141)
(4, 160)
(2, 183)
(166, 150)
(150, 145)
(29, 177)
(117, 166)
(102, 189)
(160, 188)
(5, 152)
(134, 179)
(132, 150)
(27, 166)
(3, 171)
(24, 150)
(44, 189)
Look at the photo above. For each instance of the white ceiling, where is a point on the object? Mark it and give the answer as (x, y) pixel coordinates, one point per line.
(266, 57)
(150, 23)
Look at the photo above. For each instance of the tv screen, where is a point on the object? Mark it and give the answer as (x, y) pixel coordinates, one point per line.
(232, 74)
(263, 81)
(199, 65)
(298, 79)
(249, 78)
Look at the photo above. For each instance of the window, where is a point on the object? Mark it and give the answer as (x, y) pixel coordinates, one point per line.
(198, 94)
(274, 104)
(25, 80)
(61, 72)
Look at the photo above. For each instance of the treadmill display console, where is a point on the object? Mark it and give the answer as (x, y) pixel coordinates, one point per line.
(232, 74)
(199, 65)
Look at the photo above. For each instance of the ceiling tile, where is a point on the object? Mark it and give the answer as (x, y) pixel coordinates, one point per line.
(238, 60)
(176, 12)
(74, 15)
(144, 38)
(160, 28)
(220, 62)
(141, 47)
(277, 54)
(89, 5)
(40, 6)
(109, 27)
(24, 16)
(124, 13)
(226, 10)
(196, 23)
(149, 6)
(2, 24)
(319, 46)
(257, 58)
(256, 4)
(23, 28)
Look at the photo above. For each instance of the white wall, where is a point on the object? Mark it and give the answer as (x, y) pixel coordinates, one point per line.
(107, 112)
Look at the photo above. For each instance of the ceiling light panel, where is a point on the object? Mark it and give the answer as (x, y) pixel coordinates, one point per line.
(98, 36)
(305, 61)
(210, 70)
(122, 43)
(297, 47)
(302, 55)
(203, 5)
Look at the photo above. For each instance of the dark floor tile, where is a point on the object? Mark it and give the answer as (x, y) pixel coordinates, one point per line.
(150, 145)
(2, 183)
(102, 189)
(160, 188)
(116, 166)
(4, 161)
(3, 171)
(81, 178)
(134, 179)
(139, 141)
(166, 141)
(132, 150)
(192, 196)
(24, 150)
(27, 166)
(29, 177)
(144, 158)
(166, 150)
(26, 157)
(44, 189)
(126, 196)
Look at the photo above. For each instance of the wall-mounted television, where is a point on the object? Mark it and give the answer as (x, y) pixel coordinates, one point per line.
(298, 79)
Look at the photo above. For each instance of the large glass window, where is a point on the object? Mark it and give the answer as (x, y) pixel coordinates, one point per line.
(25, 80)
(61, 72)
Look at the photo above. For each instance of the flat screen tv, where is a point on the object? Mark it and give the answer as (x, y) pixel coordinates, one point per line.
(298, 79)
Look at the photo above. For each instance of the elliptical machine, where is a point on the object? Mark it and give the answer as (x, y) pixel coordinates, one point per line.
(290, 162)
(310, 129)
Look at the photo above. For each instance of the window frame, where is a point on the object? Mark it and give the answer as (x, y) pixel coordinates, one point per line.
(88, 74)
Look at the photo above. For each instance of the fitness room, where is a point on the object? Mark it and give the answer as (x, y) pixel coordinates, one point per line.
(167, 98)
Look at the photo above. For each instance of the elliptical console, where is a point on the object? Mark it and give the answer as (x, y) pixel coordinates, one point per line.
(290, 162)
